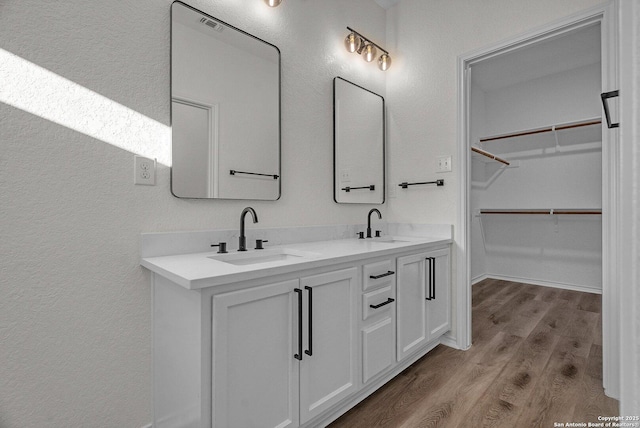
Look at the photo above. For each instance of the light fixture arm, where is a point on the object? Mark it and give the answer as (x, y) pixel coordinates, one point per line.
(367, 40)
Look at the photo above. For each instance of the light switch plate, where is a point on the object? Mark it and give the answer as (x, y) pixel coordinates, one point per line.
(443, 164)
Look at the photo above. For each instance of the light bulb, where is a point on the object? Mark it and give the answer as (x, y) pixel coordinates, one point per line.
(384, 62)
(273, 3)
(352, 42)
(369, 52)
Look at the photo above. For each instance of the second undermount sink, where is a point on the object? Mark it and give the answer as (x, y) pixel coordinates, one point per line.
(263, 256)
(390, 240)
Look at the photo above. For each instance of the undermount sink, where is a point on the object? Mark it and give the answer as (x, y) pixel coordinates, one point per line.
(389, 240)
(262, 256)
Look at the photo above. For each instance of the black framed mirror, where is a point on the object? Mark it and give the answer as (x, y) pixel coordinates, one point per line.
(225, 110)
(358, 144)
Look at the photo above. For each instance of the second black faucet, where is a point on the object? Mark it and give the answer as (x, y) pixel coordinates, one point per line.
(369, 220)
(242, 240)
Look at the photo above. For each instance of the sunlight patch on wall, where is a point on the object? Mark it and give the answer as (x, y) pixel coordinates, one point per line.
(31, 88)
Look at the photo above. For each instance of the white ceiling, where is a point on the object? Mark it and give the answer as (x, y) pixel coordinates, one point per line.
(566, 52)
(386, 3)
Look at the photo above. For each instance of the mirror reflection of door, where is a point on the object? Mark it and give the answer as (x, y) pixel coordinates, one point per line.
(195, 166)
(231, 79)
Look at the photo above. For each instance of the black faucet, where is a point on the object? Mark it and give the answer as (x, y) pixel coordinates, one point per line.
(242, 244)
(369, 220)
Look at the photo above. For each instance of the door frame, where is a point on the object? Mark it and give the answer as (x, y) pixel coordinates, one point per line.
(607, 16)
(212, 139)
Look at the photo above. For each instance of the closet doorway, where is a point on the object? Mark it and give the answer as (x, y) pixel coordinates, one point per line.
(538, 164)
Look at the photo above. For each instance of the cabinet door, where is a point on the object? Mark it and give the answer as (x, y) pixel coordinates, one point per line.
(255, 376)
(410, 305)
(378, 346)
(439, 307)
(328, 367)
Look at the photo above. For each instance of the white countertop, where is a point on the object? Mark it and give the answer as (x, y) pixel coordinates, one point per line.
(200, 270)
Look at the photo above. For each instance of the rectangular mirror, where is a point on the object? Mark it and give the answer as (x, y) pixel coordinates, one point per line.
(358, 144)
(225, 110)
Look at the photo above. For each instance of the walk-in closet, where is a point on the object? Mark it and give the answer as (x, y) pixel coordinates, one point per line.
(536, 175)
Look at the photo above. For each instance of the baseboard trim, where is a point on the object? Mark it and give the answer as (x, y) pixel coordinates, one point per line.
(543, 283)
(451, 342)
(479, 278)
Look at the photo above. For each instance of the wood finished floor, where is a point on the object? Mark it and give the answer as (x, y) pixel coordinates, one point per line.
(536, 359)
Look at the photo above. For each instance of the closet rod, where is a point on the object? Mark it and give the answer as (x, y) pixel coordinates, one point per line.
(578, 125)
(489, 155)
(540, 131)
(545, 212)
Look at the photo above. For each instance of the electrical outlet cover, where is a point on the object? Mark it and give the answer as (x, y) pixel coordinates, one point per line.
(144, 170)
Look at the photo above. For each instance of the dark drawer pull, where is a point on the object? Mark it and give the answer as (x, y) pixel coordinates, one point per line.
(381, 275)
(389, 300)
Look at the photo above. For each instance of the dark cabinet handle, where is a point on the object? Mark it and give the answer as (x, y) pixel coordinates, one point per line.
(605, 104)
(309, 351)
(390, 272)
(389, 300)
(428, 259)
(298, 356)
(432, 278)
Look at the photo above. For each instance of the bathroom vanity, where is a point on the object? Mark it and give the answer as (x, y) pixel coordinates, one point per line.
(293, 335)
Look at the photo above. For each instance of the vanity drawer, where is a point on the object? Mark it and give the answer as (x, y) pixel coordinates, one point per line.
(377, 302)
(379, 274)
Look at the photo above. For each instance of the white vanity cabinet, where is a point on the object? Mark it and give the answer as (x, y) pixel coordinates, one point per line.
(293, 346)
(423, 304)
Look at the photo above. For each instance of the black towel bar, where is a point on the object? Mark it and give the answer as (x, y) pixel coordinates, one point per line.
(234, 172)
(437, 183)
(347, 189)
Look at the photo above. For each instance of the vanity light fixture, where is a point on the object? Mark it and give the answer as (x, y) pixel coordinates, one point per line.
(273, 3)
(357, 43)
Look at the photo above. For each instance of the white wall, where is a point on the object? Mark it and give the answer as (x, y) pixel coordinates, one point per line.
(572, 95)
(75, 310)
